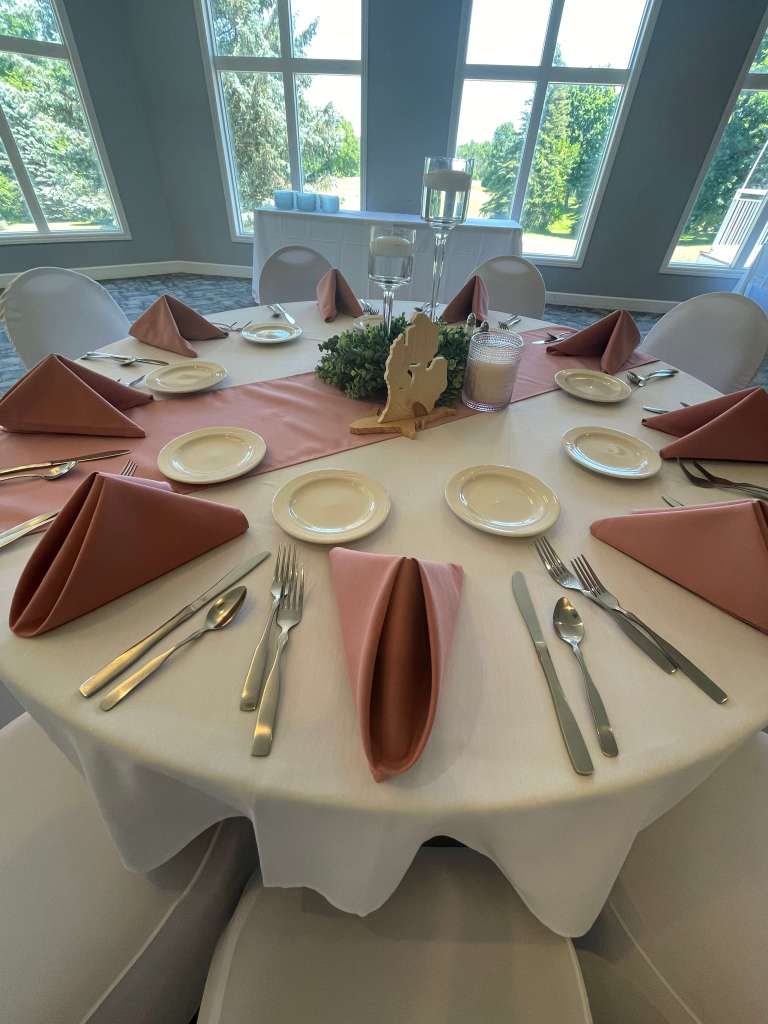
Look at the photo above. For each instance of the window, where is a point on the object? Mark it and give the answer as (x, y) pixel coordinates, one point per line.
(286, 81)
(543, 87)
(725, 222)
(54, 180)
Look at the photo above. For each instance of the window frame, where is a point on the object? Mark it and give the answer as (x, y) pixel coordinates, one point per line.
(542, 75)
(757, 80)
(66, 50)
(288, 67)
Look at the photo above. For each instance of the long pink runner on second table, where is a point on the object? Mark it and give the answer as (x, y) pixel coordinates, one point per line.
(299, 417)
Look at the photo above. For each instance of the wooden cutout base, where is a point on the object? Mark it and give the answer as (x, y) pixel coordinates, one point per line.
(406, 427)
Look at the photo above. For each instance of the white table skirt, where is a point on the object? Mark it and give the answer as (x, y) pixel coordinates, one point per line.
(174, 758)
(343, 239)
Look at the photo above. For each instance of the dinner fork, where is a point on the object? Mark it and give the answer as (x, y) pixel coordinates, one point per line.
(289, 615)
(129, 469)
(591, 581)
(639, 381)
(368, 309)
(672, 502)
(285, 567)
(561, 574)
(722, 482)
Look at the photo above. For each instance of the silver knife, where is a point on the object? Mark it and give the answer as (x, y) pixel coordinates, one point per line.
(124, 360)
(569, 727)
(28, 526)
(277, 308)
(105, 675)
(90, 457)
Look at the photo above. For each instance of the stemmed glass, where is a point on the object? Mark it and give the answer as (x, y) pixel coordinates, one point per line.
(390, 262)
(445, 200)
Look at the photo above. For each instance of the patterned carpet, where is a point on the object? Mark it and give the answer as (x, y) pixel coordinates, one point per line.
(215, 294)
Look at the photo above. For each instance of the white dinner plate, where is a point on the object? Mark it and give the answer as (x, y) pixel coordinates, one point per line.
(499, 499)
(211, 454)
(185, 378)
(330, 506)
(611, 452)
(593, 385)
(274, 332)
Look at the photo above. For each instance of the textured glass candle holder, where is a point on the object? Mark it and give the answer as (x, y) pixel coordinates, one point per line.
(306, 201)
(329, 204)
(285, 199)
(491, 372)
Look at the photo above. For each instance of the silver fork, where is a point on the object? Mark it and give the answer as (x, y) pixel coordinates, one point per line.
(368, 309)
(561, 574)
(701, 481)
(731, 484)
(672, 502)
(289, 615)
(129, 469)
(594, 585)
(285, 565)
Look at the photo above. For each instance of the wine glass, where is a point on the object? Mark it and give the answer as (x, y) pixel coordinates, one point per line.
(445, 199)
(390, 262)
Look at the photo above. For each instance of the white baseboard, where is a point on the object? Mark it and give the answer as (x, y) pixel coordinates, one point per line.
(609, 302)
(118, 270)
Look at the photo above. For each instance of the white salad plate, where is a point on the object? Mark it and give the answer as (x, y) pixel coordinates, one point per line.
(502, 500)
(211, 454)
(593, 385)
(185, 378)
(330, 506)
(611, 452)
(275, 332)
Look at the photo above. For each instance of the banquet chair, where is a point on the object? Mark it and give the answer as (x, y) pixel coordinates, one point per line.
(514, 284)
(83, 940)
(719, 337)
(454, 943)
(49, 309)
(683, 936)
(291, 274)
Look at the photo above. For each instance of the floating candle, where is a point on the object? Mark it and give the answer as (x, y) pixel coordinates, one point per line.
(391, 245)
(448, 181)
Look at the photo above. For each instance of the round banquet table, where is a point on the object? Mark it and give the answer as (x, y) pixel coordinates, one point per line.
(175, 757)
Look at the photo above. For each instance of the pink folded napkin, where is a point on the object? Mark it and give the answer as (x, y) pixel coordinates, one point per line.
(473, 298)
(397, 619)
(114, 534)
(61, 397)
(734, 427)
(334, 296)
(719, 552)
(169, 324)
(614, 339)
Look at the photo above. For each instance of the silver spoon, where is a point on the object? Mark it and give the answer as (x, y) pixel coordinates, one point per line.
(52, 474)
(635, 378)
(570, 629)
(549, 338)
(220, 614)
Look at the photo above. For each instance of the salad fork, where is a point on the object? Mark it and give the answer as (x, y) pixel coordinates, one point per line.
(639, 381)
(722, 483)
(561, 574)
(289, 615)
(285, 567)
(592, 584)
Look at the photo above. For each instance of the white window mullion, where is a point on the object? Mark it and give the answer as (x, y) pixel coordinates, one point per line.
(537, 109)
(289, 91)
(33, 47)
(25, 184)
(751, 240)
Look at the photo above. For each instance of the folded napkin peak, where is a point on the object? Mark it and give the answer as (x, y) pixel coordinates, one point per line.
(59, 396)
(398, 617)
(472, 298)
(679, 543)
(732, 427)
(114, 534)
(334, 296)
(171, 325)
(614, 338)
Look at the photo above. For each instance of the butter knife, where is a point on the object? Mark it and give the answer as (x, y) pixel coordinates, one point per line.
(28, 526)
(569, 727)
(278, 310)
(123, 661)
(90, 457)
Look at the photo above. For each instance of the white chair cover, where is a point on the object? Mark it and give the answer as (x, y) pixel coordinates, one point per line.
(83, 940)
(453, 945)
(514, 285)
(291, 274)
(49, 309)
(720, 337)
(684, 935)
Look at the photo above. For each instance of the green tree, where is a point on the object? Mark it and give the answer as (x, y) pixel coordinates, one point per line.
(501, 167)
(589, 121)
(554, 161)
(477, 151)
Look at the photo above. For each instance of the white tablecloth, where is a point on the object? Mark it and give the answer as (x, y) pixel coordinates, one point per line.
(343, 239)
(175, 757)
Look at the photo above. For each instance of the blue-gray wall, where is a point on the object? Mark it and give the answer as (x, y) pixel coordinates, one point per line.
(144, 69)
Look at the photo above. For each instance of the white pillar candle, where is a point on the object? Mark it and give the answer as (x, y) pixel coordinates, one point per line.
(448, 181)
(490, 379)
(391, 245)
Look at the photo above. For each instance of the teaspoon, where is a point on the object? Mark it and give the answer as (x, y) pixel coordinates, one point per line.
(55, 473)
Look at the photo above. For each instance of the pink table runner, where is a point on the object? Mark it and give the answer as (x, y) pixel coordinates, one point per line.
(299, 417)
